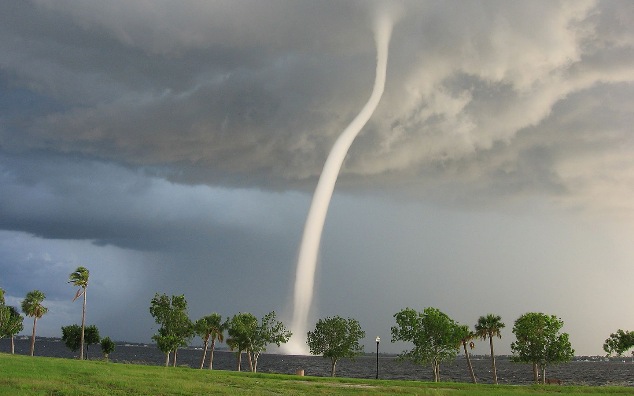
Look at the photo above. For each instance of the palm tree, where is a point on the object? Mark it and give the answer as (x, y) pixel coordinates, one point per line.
(32, 306)
(466, 336)
(487, 327)
(80, 278)
(210, 327)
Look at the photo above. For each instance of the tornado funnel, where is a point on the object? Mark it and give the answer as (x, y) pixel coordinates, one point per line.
(309, 248)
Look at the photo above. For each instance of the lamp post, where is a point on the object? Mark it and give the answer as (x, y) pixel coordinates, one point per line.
(378, 339)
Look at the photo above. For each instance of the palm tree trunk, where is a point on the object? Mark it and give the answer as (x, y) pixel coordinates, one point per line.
(211, 354)
(202, 362)
(466, 353)
(495, 375)
(33, 335)
(83, 326)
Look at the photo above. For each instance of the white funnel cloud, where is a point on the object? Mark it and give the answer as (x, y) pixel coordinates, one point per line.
(309, 248)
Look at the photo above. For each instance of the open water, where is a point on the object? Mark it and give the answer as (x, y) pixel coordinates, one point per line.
(581, 371)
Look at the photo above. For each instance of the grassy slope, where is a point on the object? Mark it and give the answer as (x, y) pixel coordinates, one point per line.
(25, 375)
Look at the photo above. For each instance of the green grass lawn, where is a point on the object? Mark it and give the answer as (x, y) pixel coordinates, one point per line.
(25, 375)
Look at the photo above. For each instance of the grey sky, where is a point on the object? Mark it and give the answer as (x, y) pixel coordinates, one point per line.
(174, 147)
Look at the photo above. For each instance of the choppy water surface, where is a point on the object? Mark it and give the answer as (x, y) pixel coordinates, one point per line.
(580, 371)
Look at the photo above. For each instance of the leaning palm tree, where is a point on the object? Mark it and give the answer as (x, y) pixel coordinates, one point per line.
(487, 327)
(217, 334)
(80, 278)
(466, 336)
(32, 306)
(210, 327)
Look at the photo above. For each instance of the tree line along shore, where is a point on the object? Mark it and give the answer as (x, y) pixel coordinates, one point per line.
(434, 337)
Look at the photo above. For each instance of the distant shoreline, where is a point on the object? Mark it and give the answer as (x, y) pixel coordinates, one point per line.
(222, 348)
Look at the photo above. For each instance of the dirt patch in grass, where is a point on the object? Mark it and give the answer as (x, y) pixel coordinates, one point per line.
(339, 384)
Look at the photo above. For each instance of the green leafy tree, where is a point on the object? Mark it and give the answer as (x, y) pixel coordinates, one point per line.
(176, 328)
(248, 335)
(336, 338)
(466, 336)
(32, 306)
(618, 342)
(208, 328)
(71, 335)
(107, 347)
(269, 331)
(5, 314)
(489, 326)
(436, 337)
(167, 343)
(241, 329)
(11, 323)
(91, 337)
(80, 278)
(540, 342)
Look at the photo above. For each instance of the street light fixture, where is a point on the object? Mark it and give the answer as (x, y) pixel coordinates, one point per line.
(378, 339)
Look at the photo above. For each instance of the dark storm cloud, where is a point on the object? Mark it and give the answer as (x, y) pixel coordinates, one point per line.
(64, 198)
(254, 94)
(226, 103)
